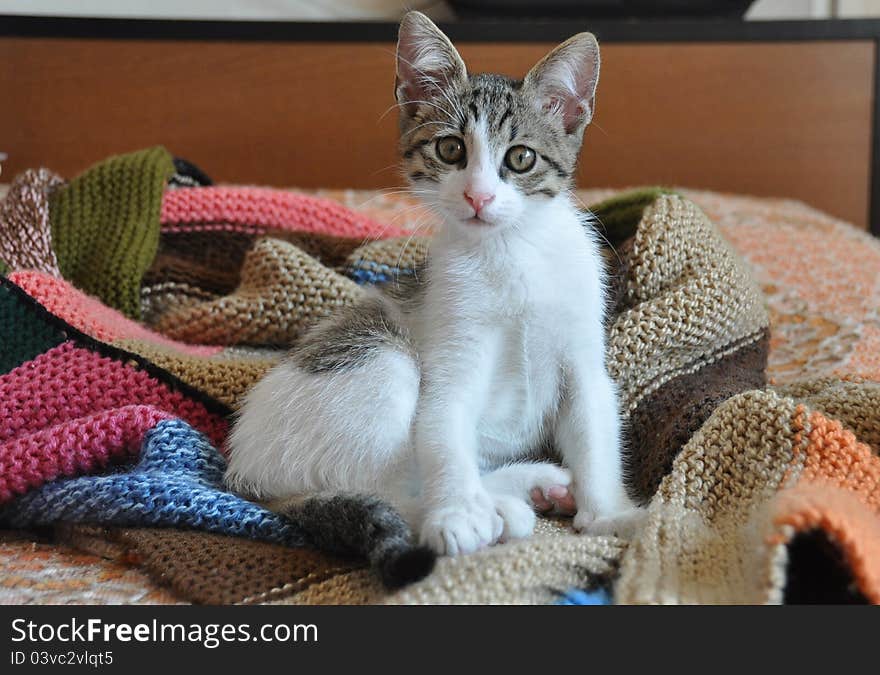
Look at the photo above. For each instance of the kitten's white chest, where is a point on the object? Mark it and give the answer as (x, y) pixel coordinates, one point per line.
(522, 388)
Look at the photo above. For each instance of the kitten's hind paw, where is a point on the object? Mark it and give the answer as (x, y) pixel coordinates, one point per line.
(554, 499)
(518, 517)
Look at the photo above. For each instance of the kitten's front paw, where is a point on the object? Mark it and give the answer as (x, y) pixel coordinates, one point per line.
(463, 528)
(623, 524)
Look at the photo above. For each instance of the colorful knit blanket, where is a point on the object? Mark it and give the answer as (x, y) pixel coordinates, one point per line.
(140, 303)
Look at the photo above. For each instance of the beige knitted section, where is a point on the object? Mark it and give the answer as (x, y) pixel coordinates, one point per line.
(689, 300)
(704, 541)
(360, 587)
(25, 233)
(531, 571)
(283, 291)
(223, 377)
(171, 297)
(401, 253)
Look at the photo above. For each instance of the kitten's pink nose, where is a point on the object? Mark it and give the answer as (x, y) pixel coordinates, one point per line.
(478, 200)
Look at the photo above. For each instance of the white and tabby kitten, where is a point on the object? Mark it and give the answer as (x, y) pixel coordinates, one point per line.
(440, 395)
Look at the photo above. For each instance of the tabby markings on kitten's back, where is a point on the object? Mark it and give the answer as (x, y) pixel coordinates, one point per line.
(435, 395)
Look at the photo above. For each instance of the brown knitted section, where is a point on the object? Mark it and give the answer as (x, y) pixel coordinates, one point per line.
(666, 419)
(283, 291)
(328, 250)
(212, 569)
(208, 260)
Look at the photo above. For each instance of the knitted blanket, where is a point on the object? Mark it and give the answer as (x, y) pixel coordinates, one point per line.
(113, 414)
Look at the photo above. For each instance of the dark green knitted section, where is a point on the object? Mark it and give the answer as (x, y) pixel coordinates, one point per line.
(105, 225)
(23, 334)
(620, 215)
(4, 268)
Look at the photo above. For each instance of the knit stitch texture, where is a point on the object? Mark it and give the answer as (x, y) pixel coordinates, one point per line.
(105, 226)
(176, 483)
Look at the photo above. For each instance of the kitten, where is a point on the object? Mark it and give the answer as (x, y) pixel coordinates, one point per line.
(437, 395)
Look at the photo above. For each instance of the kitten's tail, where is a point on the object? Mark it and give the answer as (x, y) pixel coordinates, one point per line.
(365, 526)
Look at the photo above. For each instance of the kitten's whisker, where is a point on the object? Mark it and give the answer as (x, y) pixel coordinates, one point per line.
(593, 124)
(445, 125)
(400, 105)
(406, 245)
(592, 215)
(403, 212)
(396, 165)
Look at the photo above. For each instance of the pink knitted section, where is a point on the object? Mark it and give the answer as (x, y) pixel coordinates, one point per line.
(90, 315)
(68, 382)
(73, 447)
(257, 210)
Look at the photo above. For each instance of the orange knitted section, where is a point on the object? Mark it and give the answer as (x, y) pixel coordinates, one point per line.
(839, 493)
(835, 457)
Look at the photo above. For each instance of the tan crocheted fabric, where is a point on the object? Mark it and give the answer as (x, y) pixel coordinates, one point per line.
(532, 571)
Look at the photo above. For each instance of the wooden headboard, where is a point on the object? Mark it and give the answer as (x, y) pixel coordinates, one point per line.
(776, 109)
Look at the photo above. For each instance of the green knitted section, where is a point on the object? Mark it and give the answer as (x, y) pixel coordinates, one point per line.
(105, 225)
(620, 214)
(4, 268)
(23, 334)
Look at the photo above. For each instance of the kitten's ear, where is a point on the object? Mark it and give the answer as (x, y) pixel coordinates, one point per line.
(564, 82)
(426, 61)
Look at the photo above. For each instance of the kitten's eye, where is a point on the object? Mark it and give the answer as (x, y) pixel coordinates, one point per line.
(520, 158)
(450, 149)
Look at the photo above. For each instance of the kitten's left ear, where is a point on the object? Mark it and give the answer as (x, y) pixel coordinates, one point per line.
(564, 82)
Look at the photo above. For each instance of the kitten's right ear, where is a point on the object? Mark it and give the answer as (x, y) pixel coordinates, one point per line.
(426, 62)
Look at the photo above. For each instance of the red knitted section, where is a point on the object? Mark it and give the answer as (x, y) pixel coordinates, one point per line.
(252, 209)
(73, 447)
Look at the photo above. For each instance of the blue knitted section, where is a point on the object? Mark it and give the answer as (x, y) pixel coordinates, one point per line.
(178, 482)
(364, 272)
(577, 596)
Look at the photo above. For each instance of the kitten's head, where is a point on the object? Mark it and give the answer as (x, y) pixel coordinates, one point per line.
(486, 150)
